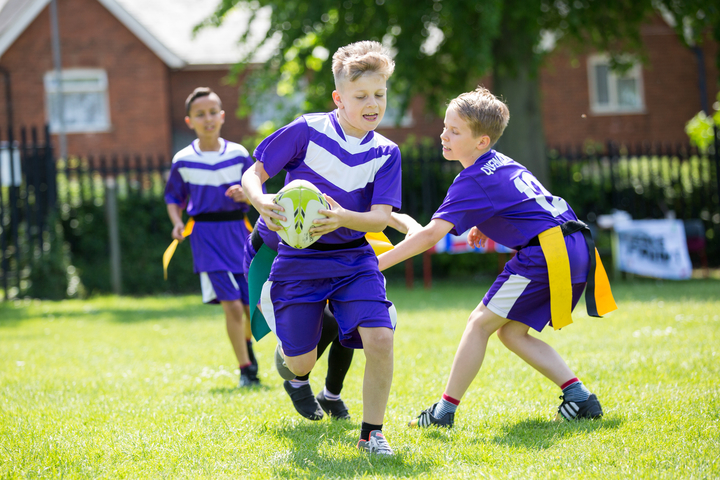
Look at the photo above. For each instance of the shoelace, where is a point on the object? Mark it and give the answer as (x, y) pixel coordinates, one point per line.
(378, 444)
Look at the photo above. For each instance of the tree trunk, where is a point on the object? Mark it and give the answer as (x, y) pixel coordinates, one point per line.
(524, 139)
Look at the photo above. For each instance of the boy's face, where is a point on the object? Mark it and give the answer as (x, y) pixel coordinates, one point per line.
(458, 142)
(206, 116)
(361, 104)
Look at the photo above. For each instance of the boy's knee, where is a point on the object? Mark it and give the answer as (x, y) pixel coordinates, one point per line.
(378, 340)
(300, 365)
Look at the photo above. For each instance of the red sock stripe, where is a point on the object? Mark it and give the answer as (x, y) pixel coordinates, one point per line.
(246, 365)
(568, 383)
(450, 399)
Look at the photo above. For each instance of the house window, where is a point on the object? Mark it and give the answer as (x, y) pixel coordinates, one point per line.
(613, 92)
(84, 97)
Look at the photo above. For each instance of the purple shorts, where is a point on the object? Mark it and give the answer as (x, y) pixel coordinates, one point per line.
(293, 309)
(223, 287)
(524, 300)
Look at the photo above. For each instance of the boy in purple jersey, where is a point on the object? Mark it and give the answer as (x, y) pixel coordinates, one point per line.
(339, 357)
(359, 171)
(500, 199)
(205, 178)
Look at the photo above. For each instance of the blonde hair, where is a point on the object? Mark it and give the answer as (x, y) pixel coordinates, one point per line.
(484, 113)
(352, 61)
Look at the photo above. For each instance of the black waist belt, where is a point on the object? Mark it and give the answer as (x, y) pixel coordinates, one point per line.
(568, 228)
(256, 240)
(327, 247)
(229, 216)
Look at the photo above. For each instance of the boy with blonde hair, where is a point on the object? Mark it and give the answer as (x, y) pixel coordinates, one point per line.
(496, 197)
(359, 172)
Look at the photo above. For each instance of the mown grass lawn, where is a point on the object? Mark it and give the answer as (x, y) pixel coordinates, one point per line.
(146, 388)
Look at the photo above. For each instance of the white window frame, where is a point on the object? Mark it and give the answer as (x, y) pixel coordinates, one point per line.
(613, 107)
(67, 79)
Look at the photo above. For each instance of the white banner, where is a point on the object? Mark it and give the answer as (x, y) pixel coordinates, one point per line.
(653, 248)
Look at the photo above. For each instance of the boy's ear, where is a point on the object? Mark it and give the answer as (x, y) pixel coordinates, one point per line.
(337, 99)
(187, 122)
(483, 143)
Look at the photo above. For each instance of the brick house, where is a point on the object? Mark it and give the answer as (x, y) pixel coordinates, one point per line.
(129, 64)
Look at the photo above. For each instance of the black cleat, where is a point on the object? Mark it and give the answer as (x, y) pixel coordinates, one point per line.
(304, 401)
(427, 419)
(336, 409)
(589, 409)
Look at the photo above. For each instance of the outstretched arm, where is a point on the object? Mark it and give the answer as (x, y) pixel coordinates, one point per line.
(404, 223)
(423, 240)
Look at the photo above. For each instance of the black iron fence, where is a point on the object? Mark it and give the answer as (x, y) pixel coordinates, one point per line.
(648, 181)
(27, 202)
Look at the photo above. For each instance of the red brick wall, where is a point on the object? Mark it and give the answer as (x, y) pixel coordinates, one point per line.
(91, 37)
(672, 97)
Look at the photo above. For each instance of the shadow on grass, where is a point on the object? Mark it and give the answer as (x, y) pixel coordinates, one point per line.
(536, 434)
(313, 454)
(234, 391)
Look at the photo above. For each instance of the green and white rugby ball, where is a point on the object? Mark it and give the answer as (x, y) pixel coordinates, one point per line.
(301, 201)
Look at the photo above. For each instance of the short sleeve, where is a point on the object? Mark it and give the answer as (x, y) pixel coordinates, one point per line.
(176, 190)
(466, 205)
(283, 146)
(388, 182)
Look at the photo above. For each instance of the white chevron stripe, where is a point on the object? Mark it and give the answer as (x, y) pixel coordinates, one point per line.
(211, 178)
(341, 175)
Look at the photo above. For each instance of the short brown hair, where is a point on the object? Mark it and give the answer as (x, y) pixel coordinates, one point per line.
(484, 113)
(197, 93)
(355, 59)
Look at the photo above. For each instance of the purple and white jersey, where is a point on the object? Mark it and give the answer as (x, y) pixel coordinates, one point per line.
(198, 180)
(509, 205)
(356, 173)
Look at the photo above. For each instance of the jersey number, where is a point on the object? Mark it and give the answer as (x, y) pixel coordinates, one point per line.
(527, 184)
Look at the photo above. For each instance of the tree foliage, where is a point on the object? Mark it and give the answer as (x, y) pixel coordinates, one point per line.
(444, 48)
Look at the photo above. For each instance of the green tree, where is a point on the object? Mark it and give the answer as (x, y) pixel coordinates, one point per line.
(443, 48)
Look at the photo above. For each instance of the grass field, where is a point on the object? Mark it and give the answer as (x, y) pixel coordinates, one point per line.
(145, 388)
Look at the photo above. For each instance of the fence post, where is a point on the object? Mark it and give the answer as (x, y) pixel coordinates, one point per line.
(111, 211)
(717, 161)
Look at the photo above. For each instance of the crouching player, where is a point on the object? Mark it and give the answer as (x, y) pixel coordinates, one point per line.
(498, 198)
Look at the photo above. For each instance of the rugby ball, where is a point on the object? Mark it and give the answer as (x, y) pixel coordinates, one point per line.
(301, 201)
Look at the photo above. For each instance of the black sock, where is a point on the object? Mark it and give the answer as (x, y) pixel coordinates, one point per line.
(366, 428)
(251, 354)
(339, 361)
(303, 378)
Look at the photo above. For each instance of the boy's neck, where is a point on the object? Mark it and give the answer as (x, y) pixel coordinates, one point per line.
(480, 154)
(347, 129)
(209, 144)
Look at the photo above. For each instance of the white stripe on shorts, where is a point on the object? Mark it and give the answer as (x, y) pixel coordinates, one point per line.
(208, 292)
(504, 299)
(267, 308)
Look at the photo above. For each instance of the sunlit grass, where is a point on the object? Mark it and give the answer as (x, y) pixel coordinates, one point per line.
(145, 388)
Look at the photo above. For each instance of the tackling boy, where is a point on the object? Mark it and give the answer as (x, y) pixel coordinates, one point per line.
(359, 171)
(205, 178)
(498, 198)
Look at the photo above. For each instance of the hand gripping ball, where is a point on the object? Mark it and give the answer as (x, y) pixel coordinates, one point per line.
(301, 201)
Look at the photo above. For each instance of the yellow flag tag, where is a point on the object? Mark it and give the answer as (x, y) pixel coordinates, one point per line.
(170, 251)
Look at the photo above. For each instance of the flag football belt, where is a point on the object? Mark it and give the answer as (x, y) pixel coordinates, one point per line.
(328, 247)
(226, 216)
(256, 240)
(598, 296)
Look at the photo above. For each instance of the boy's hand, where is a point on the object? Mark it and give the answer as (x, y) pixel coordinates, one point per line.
(476, 238)
(237, 193)
(269, 210)
(177, 231)
(335, 218)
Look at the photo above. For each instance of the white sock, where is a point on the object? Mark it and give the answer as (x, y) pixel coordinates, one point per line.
(299, 383)
(330, 396)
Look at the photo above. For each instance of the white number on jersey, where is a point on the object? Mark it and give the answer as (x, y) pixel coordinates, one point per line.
(529, 185)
